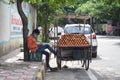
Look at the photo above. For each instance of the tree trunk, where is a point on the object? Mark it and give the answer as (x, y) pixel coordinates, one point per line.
(45, 29)
(25, 29)
(46, 24)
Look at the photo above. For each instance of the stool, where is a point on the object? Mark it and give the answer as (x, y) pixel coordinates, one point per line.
(35, 57)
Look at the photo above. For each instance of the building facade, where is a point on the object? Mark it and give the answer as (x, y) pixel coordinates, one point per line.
(11, 27)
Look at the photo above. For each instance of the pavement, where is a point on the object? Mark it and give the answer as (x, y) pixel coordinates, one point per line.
(12, 67)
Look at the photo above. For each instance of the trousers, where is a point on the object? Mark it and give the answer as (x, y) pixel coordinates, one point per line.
(42, 48)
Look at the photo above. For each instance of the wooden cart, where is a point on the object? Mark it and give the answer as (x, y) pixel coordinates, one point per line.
(77, 46)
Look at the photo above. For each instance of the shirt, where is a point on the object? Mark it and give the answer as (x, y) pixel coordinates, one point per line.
(32, 44)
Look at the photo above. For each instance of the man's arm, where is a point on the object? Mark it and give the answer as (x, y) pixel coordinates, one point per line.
(32, 45)
(39, 44)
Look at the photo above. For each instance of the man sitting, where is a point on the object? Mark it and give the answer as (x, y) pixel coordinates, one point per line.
(40, 48)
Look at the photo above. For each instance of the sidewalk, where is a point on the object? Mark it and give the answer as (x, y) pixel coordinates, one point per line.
(12, 67)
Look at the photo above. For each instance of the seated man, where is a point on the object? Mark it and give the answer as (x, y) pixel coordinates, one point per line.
(34, 47)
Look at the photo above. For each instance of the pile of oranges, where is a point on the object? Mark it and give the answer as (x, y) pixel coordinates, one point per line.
(73, 40)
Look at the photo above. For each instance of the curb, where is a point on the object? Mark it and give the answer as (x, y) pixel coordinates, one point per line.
(40, 74)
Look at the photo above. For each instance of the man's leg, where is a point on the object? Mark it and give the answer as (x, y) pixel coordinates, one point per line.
(47, 58)
(42, 50)
(47, 61)
(46, 46)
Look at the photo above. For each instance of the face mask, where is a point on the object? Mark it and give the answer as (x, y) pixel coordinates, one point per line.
(35, 35)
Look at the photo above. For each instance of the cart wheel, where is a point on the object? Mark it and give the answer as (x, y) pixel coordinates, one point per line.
(59, 63)
(86, 60)
(59, 58)
(86, 64)
(82, 62)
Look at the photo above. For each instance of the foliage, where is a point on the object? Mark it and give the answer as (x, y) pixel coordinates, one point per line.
(46, 9)
(101, 9)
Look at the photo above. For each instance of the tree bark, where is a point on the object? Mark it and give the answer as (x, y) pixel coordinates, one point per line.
(25, 28)
(46, 22)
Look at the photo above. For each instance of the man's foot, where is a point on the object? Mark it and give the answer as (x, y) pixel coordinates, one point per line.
(52, 69)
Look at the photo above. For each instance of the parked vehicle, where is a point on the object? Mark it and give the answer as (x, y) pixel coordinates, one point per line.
(83, 29)
(55, 32)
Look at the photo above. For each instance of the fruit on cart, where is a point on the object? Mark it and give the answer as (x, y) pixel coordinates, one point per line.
(73, 40)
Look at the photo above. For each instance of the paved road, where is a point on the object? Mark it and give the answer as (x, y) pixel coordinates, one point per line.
(104, 67)
(107, 64)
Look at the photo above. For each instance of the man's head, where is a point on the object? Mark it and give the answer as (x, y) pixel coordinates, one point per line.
(35, 33)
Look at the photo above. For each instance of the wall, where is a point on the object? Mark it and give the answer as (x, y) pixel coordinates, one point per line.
(11, 25)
